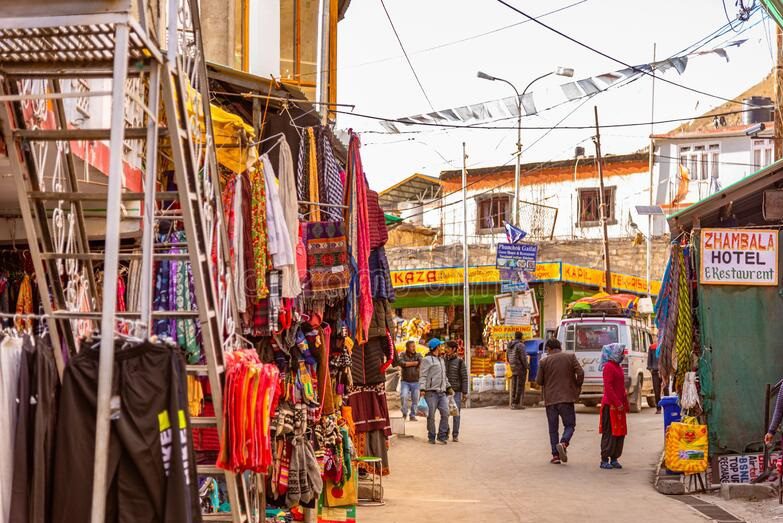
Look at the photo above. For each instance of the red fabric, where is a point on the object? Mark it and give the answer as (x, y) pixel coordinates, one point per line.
(378, 233)
(617, 418)
(614, 386)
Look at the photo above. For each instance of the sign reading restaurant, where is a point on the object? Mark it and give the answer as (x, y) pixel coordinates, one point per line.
(739, 257)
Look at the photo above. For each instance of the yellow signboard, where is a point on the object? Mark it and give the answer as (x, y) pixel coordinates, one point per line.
(545, 271)
(506, 332)
(549, 271)
(597, 278)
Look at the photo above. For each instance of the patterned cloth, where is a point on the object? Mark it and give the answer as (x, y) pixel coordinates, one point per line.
(361, 248)
(683, 341)
(274, 300)
(312, 178)
(329, 176)
(379, 235)
(612, 352)
(291, 288)
(380, 275)
(258, 229)
(24, 303)
(327, 261)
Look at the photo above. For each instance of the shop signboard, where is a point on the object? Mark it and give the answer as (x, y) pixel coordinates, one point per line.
(597, 278)
(514, 286)
(739, 257)
(516, 315)
(519, 256)
(506, 332)
(740, 468)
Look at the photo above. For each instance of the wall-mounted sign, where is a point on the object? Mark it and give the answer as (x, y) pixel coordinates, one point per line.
(516, 315)
(506, 332)
(519, 256)
(739, 257)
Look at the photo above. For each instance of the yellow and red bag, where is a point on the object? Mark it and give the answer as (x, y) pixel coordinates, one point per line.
(687, 445)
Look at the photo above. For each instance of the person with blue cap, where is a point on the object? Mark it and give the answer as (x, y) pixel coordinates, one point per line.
(435, 388)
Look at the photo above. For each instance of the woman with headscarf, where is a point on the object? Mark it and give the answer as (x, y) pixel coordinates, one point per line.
(614, 406)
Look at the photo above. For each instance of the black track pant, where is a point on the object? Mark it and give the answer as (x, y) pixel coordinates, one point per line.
(611, 446)
(151, 473)
(518, 388)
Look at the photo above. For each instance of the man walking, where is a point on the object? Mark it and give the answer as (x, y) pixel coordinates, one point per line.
(517, 360)
(560, 377)
(457, 374)
(409, 361)
(434, 384)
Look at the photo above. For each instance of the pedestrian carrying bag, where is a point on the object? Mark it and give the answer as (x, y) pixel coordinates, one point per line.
(453, 408)
(422, 409)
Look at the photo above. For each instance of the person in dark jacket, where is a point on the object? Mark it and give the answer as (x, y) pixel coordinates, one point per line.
(560, 377)
(517, 360)
(457, 373)
(410, 362)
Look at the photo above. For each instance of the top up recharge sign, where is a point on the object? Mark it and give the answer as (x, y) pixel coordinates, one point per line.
(739, 257)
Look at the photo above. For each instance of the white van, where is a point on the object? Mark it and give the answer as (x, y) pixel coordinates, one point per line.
(586, 334)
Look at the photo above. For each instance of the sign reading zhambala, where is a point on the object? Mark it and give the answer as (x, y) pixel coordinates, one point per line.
(739, 257)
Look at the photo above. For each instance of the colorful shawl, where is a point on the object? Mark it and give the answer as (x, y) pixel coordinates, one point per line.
(683, 339)
(312, 171)
(327, 261)
(360, 236)
(329, 176)
(258, 228)
(24, 303)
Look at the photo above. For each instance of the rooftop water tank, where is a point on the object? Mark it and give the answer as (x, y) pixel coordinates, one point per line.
(758, 109)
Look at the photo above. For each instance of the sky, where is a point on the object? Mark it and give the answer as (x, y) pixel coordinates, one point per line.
(374, 76)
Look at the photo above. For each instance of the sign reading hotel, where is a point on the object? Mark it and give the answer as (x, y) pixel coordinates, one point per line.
(739, 257)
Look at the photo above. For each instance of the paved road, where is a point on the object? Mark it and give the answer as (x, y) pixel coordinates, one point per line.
(500, 472)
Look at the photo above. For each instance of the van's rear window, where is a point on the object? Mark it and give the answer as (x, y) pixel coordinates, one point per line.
(590, 338)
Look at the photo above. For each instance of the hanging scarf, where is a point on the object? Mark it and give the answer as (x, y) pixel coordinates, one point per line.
(278, 239)
(121, 306)
(683, 342)
(290, 285)
(327, 261)
(360, 236)
(24, 304)
(329, 175)
(612, 352)
(312, 171)
(258, 228)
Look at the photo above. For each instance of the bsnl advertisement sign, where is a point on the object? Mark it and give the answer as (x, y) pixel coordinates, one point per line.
(739, 257)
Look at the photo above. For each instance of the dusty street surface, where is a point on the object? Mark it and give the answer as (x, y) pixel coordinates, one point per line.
(500, 472)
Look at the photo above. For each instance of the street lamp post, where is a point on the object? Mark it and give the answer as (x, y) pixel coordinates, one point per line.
(560, 71)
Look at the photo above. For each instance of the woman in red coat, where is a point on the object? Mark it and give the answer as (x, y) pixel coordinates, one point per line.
(614, 406)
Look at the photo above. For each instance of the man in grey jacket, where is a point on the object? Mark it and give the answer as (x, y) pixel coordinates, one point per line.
(435, 387)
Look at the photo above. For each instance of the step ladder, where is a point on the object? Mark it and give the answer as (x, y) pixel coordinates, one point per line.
(144, 61)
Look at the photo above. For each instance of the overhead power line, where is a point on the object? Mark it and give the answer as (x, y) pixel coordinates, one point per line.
(621, 62)
(410, 64)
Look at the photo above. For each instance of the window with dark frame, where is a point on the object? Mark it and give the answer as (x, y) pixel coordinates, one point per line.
(590, 206)
(492, 212)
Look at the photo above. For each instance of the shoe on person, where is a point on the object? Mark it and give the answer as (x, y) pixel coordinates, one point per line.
(413, 418)
(442, 441)
(658, 410)
(555, 460)
(605, 465)
(431, 441)
(562, 452)
(455, 439)
(615, 464)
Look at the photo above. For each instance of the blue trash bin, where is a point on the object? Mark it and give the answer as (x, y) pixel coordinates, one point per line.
(532, 349)
(671, 410)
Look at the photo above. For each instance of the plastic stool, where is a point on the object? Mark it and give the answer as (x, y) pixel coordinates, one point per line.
(375, 469)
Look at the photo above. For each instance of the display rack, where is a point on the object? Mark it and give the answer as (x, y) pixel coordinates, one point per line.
(150, 55)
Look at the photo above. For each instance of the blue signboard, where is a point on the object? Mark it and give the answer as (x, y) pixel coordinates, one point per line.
(519, 256)
(514, 286)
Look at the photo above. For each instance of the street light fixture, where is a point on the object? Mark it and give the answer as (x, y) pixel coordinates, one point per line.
(560, 71)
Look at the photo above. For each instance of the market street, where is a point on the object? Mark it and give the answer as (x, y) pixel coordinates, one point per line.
(500, 472)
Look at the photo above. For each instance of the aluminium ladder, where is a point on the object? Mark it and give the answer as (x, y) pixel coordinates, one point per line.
(146, 59)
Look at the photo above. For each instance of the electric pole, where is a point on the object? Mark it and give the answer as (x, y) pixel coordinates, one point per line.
(778, 137)
(465, 269)
(602, 200)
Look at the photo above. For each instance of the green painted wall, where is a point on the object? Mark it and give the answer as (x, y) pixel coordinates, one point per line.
(742, 341)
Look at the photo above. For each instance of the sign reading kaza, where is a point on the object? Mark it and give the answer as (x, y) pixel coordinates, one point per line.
(518, 256)
(739, 257)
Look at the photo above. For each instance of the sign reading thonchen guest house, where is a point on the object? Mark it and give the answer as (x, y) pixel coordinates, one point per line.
(739, 257)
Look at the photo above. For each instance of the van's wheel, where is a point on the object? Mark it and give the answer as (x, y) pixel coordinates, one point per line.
(636, 401)
(590, 404)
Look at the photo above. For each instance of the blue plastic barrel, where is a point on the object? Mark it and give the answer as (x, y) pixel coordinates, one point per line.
(671, 410)
(532, 349)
